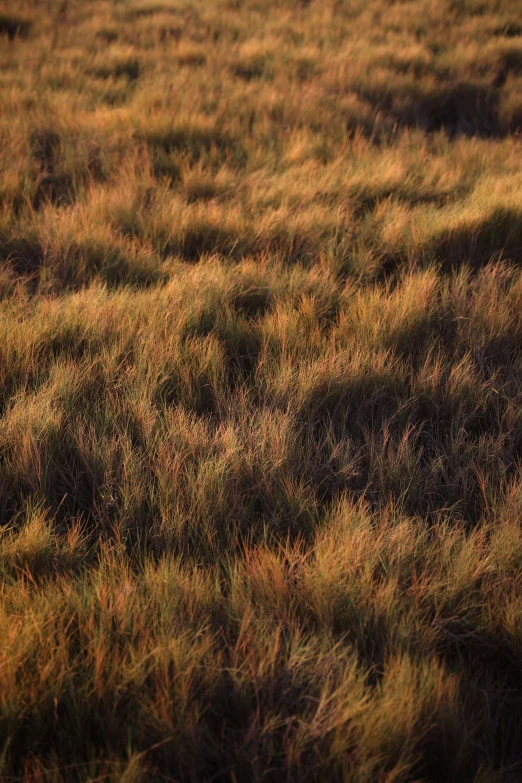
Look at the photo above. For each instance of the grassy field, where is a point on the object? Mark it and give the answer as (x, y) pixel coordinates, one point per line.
(260, 391)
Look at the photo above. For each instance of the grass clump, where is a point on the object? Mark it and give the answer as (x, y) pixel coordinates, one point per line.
(260, 391)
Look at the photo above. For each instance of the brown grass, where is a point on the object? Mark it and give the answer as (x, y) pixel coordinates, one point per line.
(260, 391)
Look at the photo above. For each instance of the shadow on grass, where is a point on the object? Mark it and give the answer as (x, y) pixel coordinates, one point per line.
(141, 11)
(58, 189)
(509, 30)
(53, 184)
(108, 35)
(127, 68)
(205, 238)
(69, 484)
(496, 237)
(196, 142)
(14, 27)
(367, 199)
(495, 666)
(461, 109)
(24, 255)
(499, 234)
(78, 264)
(420, 449)
(253, 303)
(203, 190)
(248, 70)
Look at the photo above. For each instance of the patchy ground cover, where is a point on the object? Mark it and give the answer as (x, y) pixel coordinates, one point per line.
(260, 391)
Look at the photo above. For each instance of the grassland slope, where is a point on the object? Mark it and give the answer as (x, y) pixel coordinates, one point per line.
(260, 391)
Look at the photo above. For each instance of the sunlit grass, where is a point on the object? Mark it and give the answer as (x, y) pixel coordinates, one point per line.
(260, 391)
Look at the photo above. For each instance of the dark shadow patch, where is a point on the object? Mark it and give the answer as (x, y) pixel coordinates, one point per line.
(79, 264)
(244, 357)
(166, 166)
(366, 200)
(417, 68)
(204, 239)
(53, 183)
(52, 186)
(108, 35)
(254, 302)
(248, 70)
(74, 481)
(10, 503)
(509, 62)
(44, 147)
(201, 190)
(69, 343)
(305, 70)
(129, 69)
(500, 235)
(292, 246)
(508, 30)
(24, 255)
(14, 27)
(192, 59)
(419, 450)
(67, 486)
(374, 396)
(241, 341)
(460, 642)
(114, 265)
(58, 189)
(194, 142)
(115, 93)
(462, 109)
(492, 667)
(150, 10)
(194, 391)
(512, 60)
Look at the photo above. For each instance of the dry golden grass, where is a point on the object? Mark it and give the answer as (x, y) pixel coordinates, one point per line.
(260, 391)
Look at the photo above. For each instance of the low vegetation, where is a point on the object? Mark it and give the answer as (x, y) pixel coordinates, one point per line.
(261, 391)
